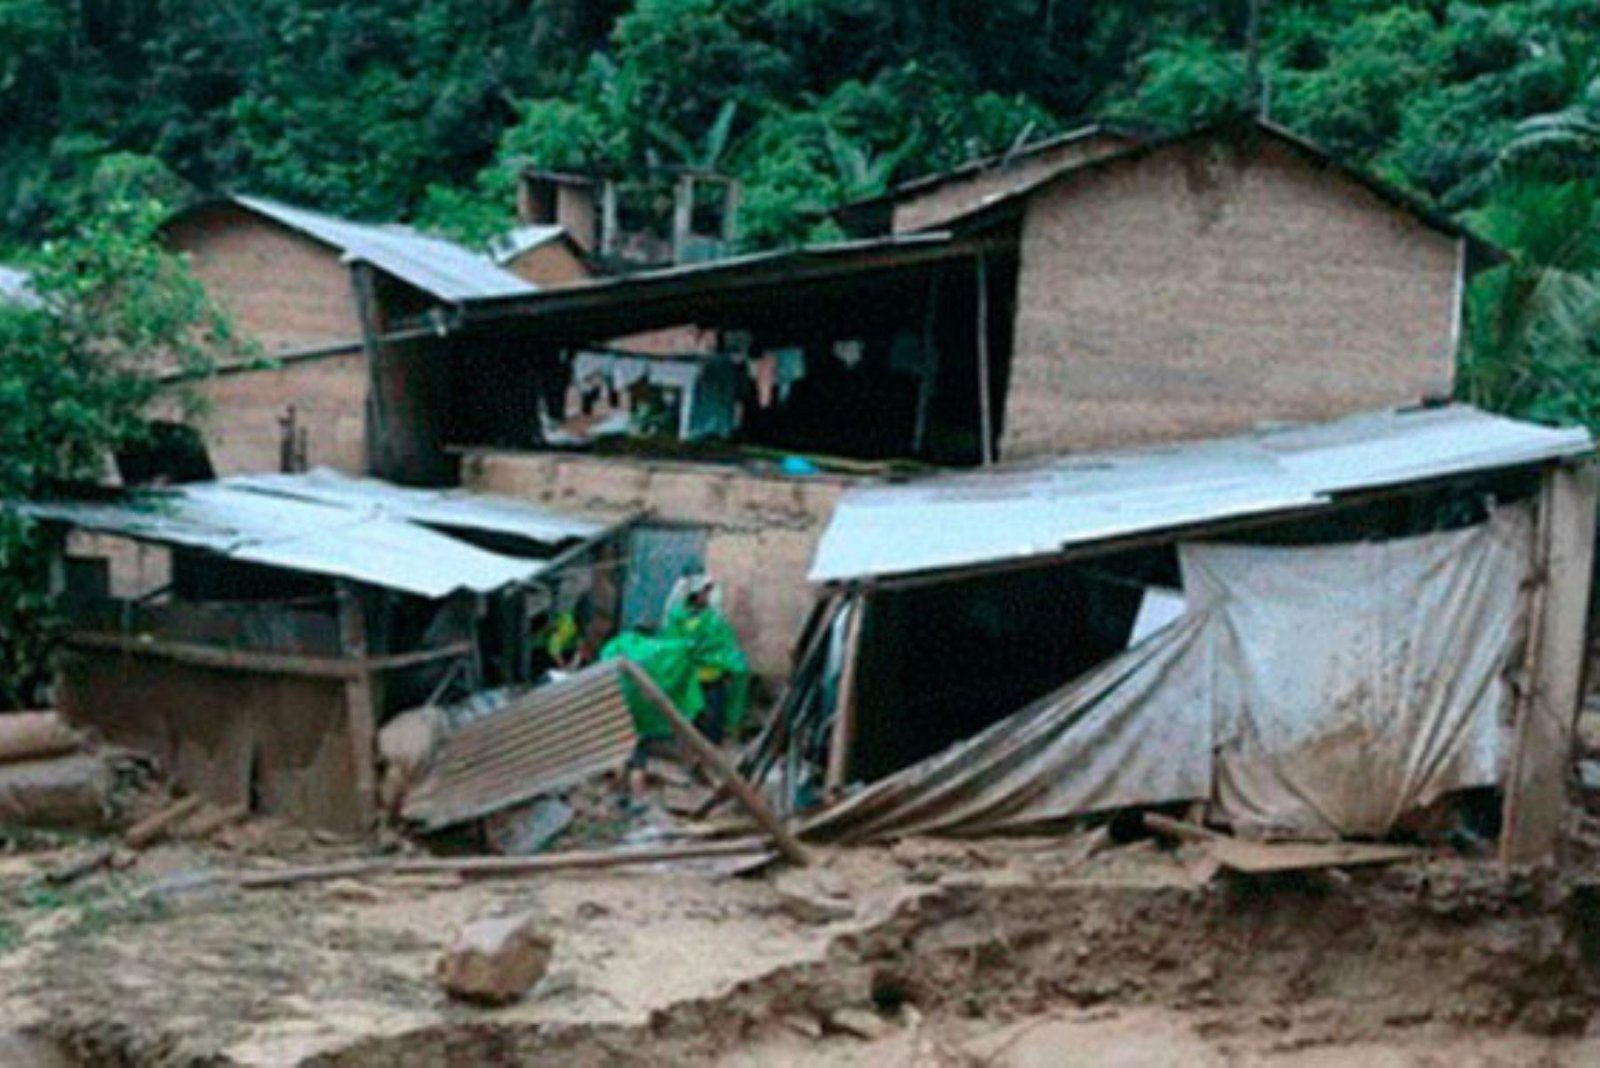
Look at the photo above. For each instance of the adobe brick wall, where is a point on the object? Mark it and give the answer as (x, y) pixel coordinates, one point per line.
(1206, 288)
(761, 530)
(946, 201)
(551, 264)
(286, 291)
(241, 410)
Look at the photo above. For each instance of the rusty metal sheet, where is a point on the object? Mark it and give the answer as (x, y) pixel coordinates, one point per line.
(545, 741)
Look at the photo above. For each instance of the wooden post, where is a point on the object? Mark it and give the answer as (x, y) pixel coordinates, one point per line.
(844, 715)
(371, 326)
(710, 758)
(1536, 799)
(985, 416)
(930, 357)
(361, 704)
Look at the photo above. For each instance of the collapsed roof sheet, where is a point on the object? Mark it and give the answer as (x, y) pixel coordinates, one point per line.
(454, 509)
(340, 540)
(444, 269)
(549, 739)
(1015, 513)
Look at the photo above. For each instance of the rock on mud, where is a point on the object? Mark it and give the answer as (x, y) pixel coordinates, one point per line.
(494, 961)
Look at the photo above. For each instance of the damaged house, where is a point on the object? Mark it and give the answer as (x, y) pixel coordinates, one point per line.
(271, 624)
(1104, 291)
(1329, 631)
(352, 314)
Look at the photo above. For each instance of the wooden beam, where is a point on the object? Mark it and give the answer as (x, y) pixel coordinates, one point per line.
(716, 766)
(361, 705)
(1537, 783)
(844, 715)
(371, 319)
(222, 659)
(985, 415)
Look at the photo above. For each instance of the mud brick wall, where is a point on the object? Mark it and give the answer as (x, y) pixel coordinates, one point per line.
(551, 264)
(241, 409)
(1207, 288)
(950, 199)
(286, 291)
(761, 531)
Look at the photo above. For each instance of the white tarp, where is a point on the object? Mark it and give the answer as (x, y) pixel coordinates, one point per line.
(1357, 682)
(1314, 691)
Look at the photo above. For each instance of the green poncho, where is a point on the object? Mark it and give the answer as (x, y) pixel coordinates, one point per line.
(693, 649)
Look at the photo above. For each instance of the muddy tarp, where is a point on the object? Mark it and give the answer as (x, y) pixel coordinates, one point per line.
(1135, 730)
(1316, 691)
(1357, 682)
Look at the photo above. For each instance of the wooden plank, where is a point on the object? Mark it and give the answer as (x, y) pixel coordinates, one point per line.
(1536, 797)
(498, 865)
(152, 827)
(844, 716)
(1260, 858)
(716, 766)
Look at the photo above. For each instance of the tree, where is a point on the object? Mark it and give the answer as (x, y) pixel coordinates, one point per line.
(1533, 323)
(110, 317)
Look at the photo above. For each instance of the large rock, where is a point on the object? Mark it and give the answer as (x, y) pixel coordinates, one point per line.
(494, 961)
(406, 745)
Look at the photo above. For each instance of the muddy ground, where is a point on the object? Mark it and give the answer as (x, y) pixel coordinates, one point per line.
(999, 953)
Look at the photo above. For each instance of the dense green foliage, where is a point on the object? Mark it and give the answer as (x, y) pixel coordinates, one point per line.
(81, 360)
(423, 109)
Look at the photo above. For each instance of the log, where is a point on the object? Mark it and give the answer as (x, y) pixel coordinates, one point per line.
(257, 880)
(31, 735)
(716, 766)
(152, 827)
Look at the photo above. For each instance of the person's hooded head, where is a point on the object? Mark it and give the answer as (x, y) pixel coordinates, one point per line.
(699, 592)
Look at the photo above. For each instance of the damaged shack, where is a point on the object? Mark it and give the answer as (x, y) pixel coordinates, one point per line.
(1315, 632)
(254, 633)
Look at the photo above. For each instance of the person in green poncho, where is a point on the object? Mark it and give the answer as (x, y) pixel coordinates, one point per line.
(714, 647)
(696, 660)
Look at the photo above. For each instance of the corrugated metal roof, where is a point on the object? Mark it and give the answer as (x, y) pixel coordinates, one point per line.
(457, 509)
(340, 540)
(441, 268)
(1015, 513)
(553, 738)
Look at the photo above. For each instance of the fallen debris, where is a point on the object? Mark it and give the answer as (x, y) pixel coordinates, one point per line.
(150, 829)
(495, 961)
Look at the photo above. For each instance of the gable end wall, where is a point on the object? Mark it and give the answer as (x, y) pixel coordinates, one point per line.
(1207, 288)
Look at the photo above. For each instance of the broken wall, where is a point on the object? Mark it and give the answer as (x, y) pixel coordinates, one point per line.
(226, 735)
(761, 530)
(1207, 287)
